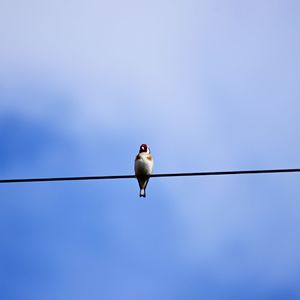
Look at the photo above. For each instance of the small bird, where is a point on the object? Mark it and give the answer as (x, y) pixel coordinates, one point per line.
(143, 167)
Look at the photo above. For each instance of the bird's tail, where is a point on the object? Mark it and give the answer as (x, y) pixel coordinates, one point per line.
(142, 193)
(143, 184)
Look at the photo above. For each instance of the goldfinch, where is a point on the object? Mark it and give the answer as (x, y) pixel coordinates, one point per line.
(143, 167)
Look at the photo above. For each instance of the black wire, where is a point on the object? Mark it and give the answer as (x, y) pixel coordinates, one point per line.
(228, 173)
(153, 175)
(65, 178)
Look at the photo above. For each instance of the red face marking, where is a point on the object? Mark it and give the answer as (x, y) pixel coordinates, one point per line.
(143, 148)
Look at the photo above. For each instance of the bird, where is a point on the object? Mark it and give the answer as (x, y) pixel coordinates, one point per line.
(143, 167)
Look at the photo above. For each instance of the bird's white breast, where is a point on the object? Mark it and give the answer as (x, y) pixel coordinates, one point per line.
(143, 166)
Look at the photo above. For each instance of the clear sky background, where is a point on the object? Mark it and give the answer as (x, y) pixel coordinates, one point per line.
(208, 85)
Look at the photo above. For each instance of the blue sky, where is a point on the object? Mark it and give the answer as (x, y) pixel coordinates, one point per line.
(208, 85)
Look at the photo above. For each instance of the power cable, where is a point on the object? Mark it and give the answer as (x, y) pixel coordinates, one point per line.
(153, 175)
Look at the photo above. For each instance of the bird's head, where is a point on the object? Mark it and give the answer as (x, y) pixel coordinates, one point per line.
(144, 148)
